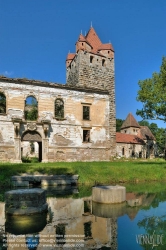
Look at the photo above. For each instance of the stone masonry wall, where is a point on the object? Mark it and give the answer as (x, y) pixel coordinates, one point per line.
(84, 73)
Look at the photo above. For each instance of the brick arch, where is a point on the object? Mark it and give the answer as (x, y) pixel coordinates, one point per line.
(31, 136)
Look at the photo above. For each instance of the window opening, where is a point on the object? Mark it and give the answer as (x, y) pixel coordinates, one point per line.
(31, 108)
(88, 230)
(60, 234)
(59, 108)
(86, 135)
(87, 206)
(86, 113)
(91, 59)
(103, 62)
(2, 103)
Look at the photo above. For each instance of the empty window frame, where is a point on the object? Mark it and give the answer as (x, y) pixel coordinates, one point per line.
(86, 112)
(31, 108)
(86, 135)
(91, 59)
(88, 230)
(59, 108)
(60, 234)
(103, 62)
(2, 103)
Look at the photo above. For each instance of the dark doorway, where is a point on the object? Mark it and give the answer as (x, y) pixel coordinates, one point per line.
(40, 151)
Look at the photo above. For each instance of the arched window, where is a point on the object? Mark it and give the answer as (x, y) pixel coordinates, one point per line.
(31, 108)
(2, 103)
(59, 108)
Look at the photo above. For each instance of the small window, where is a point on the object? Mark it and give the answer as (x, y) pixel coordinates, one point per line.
(88, 230)
(59, 108)
(86, 113)
(60, 234)
(123, 151)
(133, 130)
(108, 51)
(91, 59)
(86, 135)
(103, 62)
(2, 103)
(82, 44)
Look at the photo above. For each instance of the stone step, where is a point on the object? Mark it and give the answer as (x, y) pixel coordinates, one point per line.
(44, 180)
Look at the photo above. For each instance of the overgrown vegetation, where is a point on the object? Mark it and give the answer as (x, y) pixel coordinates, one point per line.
(31, 109)
(27, 159)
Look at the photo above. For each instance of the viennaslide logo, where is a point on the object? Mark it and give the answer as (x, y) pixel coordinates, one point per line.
(146, 239)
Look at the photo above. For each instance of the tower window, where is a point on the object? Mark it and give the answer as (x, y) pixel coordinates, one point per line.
(2, 103)
(103, 62)
(86, 135)
(91, 59)
(123, 151)
(108, 51)
(82, 44)
(86, 113)
(59, 108)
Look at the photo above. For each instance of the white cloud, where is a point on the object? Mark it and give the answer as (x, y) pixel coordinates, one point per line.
(8, 73)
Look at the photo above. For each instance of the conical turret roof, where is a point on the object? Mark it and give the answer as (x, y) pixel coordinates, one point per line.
(130, 122)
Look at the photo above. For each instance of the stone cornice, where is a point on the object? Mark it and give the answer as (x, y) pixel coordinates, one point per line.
(26, 81)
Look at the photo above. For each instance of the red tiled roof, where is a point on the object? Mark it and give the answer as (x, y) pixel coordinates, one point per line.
(83, 39)
(70, 56)
(130, 122)
(93, 39)
(128, 138)
(106, 46)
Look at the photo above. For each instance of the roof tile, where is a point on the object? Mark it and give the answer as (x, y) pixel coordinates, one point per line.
(130, 122)
(128, 138)
(70, 56)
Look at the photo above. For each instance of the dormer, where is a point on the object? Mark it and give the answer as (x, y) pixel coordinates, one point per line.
(82, 44)
(130, 125)
(69, 59)
(106, 50)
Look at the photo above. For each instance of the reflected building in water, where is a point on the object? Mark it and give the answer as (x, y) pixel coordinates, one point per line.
(69, 221)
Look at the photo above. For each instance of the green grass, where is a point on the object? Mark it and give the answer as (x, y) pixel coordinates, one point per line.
(92, 172)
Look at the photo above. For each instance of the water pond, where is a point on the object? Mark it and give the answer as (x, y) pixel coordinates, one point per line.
(73, 221)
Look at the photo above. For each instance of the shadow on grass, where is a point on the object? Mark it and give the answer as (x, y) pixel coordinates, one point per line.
(150, 163)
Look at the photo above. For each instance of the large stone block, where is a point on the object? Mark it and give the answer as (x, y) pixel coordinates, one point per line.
(109, 194)
(25, 201)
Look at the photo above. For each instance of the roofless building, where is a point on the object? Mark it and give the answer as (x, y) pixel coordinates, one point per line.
(70, 122)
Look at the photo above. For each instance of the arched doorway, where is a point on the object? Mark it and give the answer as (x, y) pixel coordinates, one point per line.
(33, 137)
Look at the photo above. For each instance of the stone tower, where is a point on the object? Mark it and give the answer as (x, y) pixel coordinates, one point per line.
(92, 66)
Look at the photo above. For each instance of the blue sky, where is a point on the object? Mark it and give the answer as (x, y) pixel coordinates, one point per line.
(35, 37)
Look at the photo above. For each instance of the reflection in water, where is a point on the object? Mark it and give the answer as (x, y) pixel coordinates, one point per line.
(32, 241)
(60, 234)
(83, 224)
(25, 224)
(88, 230)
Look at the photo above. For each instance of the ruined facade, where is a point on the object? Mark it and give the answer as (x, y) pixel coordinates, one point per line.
(70, 122)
